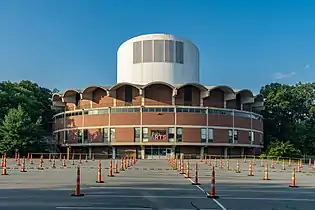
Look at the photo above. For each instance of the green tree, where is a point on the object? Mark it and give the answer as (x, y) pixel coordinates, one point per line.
(19, 132)
(283, 150)
(289, 115)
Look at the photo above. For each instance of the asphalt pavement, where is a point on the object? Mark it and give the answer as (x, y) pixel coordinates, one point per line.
(152, 184)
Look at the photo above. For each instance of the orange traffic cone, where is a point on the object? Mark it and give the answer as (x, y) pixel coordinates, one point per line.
(196, 182)
(64, 162)
(4, 169)
(122, 164)
(283, 165)
(266, 173)
(238, 168)
(187, 175)
(23, 165)
(31, 159)
(80, 158)
(41, 163)
(293, 184)
(53, 165)
(77, 192)
(110, 171)
(99, 173)
(212, 188)
(116, 168)
(250, 170)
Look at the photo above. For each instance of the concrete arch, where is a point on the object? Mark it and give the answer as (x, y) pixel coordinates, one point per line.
(158, 83)
(158, 95)
(56, 97)
(87, 93)
(71, 96)
(118, 85)
(197, 85)
(246, 96)
(224, 88)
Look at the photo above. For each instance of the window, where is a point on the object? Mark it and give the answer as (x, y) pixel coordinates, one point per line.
(261, 140)
(169, 51)
(251, 137)
(128, 95)
(137, 134)
(80, 136)
(158, 50)
(157, 109)
(188, 96)
(147, 51)
(235, 136)
(137, 52)
(85, 135)
(210, 135)
(231, 136)
(180, 52)
(203, 134)
(65, 133)
(171, 134)
(112, 135)
(179, 134)
(145, 135)
(104, 132)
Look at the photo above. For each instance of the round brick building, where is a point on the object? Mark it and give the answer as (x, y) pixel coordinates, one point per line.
(158, 108)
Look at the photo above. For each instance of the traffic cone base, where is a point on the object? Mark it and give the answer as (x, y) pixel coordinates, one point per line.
(250, 175)
(213, 196)
(100, 182)
(266, 179)
(110, 175)
(74, 195)
(194, 183)
(293, 186)
(187, 177)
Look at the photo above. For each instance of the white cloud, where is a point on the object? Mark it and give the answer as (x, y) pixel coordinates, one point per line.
(307, 66)
(280, 75)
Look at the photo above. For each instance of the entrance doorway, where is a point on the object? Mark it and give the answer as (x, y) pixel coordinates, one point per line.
(153, 152)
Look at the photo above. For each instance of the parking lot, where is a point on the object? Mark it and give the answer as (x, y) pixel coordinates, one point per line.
(152, 184)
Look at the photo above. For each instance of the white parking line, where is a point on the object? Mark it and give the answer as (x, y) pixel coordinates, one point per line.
(202, 190)
(269, 199)
(144, 196)
(116, 208)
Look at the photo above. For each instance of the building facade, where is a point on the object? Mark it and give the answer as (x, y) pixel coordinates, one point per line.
(158, 107)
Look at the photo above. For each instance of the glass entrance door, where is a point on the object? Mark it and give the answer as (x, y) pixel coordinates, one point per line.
(152, 152)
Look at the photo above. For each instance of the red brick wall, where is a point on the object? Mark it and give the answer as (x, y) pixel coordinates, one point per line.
(131, 118)
(124, 134)
(191, 135)
(158, 94)
(96, 120)
(100, 99)
(152, 118)
(216, 99)
(191, 119)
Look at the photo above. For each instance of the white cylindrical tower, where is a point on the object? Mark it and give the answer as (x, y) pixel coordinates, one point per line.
(157, 57)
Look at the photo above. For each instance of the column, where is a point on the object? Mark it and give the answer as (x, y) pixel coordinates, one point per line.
(202, 152)
(173, 152)
(113, 152)
(142, 152)
(90, 153)
(224, 104)
(226, 152)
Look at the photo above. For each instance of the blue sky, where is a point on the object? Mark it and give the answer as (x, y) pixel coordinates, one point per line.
(72, 43)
